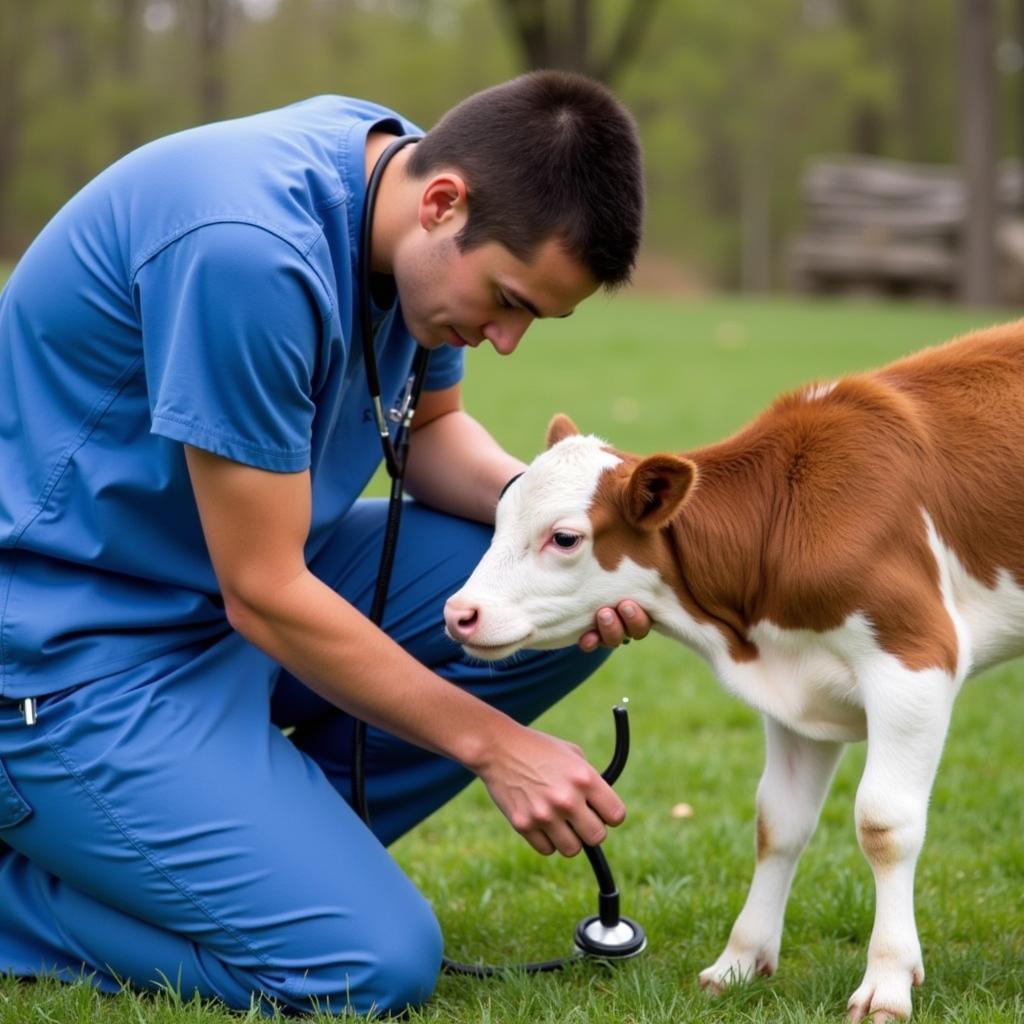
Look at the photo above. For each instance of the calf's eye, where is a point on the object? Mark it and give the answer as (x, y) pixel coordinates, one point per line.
(566, 541)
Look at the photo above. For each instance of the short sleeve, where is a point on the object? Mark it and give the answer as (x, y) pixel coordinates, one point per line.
(445, 368)
(232, 328)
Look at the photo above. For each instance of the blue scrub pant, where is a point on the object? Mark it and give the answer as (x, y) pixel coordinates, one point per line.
(160, 828)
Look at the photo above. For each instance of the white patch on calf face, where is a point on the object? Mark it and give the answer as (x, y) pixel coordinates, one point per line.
(528, 590)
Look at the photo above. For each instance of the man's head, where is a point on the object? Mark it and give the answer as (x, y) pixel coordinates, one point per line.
(531, 198)
(546, 155)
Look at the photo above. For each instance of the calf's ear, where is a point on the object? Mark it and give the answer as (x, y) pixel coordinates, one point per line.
(657, 489)
(560, 428)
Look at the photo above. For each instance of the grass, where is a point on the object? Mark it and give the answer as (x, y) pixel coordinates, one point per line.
(658, 373)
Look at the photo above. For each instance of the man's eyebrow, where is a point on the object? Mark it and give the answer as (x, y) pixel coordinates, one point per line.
(531, 308)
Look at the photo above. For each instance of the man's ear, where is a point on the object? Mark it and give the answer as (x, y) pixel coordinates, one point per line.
(658, 488)
(560, 428)
(443, 197)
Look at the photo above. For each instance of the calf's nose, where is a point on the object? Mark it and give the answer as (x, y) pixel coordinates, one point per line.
(461, 620)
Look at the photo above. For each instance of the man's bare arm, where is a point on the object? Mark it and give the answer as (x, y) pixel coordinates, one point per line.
(455, 465)
(255, 524)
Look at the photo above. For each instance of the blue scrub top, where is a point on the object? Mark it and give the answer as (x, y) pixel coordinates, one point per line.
(202, 290)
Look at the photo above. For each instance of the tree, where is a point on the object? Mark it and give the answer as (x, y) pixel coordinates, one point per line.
(75, 55)
(978, 150)
(15, 22)
(729, 119)
(212, 86)
(561, 34)
(127, 65)
(867, 127)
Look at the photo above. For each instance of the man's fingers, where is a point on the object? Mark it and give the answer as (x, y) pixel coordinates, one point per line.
(610, 626)
(616, 626)
(549, 838)
(568, 837)
(637, 621)
(594, 834)
(539, 841)
(551, 795)
(608, 807)
(565, 839)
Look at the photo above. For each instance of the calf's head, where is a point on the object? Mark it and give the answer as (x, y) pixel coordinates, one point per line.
(581, 529)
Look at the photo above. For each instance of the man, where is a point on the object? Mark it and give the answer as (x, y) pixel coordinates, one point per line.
(185, 570)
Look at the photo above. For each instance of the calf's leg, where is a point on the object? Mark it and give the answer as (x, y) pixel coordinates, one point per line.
(908, 714)
(792, 789)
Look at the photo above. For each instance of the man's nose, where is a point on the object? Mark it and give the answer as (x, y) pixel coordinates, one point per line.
(506, 334)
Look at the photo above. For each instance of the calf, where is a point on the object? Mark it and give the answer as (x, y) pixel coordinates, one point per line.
(844, 563)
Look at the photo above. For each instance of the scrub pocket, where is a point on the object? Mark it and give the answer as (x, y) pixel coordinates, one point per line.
(13, 809)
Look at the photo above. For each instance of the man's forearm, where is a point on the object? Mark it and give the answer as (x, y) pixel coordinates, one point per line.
(456, 466)
(322, 640)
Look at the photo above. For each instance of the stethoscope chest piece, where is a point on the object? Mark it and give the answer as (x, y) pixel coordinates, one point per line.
(622, 940)
(607, 935)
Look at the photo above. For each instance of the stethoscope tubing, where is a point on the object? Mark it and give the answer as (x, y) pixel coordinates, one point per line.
(396, 453)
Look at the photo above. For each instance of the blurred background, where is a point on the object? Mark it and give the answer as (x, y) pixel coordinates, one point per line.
(820, 146)
(795, 148)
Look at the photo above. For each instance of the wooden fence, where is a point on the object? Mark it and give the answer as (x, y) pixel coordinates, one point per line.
(882, 227)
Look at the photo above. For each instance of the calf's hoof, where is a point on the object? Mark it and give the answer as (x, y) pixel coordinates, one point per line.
(735, 969)
(884, 994)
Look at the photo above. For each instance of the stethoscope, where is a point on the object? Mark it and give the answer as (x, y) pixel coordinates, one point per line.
(607, 934)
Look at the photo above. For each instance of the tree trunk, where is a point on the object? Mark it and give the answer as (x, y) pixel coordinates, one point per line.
(755, 221)
(15, 30)
(913, 80)
(528, 24)
(978, 150)
(559, 34)
(627, 42)
(127, 62)
(866, 127)
(1018, 34)
(213, 24)
(577, 37)
(75, 54)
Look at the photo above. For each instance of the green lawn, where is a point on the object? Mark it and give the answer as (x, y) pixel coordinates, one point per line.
(658, 373)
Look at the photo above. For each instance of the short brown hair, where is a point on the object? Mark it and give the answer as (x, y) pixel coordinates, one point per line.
(548, 154)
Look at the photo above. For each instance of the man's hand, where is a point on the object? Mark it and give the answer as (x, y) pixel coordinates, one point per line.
(549, 792)
(614, 626)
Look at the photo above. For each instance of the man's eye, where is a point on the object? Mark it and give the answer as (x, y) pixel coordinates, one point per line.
(503, 301)
(566, 541)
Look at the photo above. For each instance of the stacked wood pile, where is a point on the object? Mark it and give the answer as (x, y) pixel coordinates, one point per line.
(888, 228)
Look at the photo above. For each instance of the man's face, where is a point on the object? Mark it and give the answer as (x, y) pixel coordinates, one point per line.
(458, 298)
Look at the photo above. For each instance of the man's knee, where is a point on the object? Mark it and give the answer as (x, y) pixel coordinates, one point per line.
(391, 966)
(404, 953)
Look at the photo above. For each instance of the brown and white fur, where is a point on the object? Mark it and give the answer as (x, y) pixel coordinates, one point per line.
(844, 563)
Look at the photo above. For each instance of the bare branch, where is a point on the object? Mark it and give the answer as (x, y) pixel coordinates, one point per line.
(630, 36)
